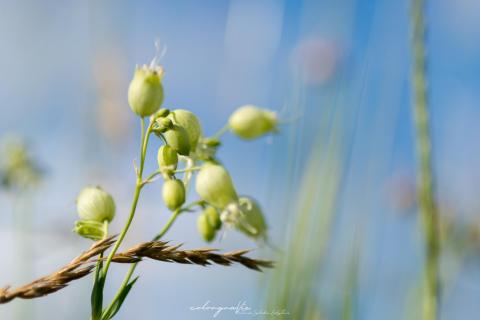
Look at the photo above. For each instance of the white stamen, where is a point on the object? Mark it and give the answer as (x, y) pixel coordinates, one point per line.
(160, 52)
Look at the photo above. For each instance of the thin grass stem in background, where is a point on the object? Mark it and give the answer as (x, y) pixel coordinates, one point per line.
(426, 200)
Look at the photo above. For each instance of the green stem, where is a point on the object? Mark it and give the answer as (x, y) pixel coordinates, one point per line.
(145, 134)
(132, 268)
(424, 175)
(133, 208)
(168, 225)
(190, 169)
(136, 195)
(105, 229)
(220, 132)
(150, 177)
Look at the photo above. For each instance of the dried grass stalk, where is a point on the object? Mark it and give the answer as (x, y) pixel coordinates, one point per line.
(59, 279)
(155, 250)
(161, 251)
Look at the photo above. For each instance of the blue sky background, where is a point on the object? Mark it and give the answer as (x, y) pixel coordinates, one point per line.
(65, 69)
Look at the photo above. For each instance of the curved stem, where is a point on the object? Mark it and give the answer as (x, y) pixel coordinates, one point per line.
(221, 132)
(138, 187)
(163, 138)
(150, 177)
(133, 208)
(168, 225)
(190, 169)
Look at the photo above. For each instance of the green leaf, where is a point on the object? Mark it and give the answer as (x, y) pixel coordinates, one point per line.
(89, 229)
(97, 292)
(118, 303)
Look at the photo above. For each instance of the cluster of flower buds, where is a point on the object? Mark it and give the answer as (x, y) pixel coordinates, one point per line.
(185, 151)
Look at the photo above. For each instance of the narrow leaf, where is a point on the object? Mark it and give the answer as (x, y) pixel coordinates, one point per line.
(121, 298)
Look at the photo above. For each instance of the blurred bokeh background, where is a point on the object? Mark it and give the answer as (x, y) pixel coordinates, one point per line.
(337, 183)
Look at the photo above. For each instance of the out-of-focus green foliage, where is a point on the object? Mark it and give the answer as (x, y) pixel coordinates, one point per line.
(18, 169)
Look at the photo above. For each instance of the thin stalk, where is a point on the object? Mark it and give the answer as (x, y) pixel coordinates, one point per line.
(100, 278)
(136, 195)
(426, 200)
(100, 257)
(168, 225)
(190, 169)
(133, 208)
(132, 268)
(221, 132)
(151, 177)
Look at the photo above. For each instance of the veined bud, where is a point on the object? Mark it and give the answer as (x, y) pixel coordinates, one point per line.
(145, 93)
(206, 230)
(162, 112)
(190, 123)
(167, 158)
(213, 217)
(173, 193)
(94, 204)
(215, 186)
(251, 221)
(212, 142)
(162, 125)
(177, 138)
(250, 122)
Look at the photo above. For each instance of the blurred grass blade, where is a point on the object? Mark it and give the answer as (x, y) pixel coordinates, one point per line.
(426, 200)
(118, 303)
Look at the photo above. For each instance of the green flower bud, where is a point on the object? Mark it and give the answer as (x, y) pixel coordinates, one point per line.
(215, 186)
(177, 138)
(189, 121)
(162, 125)
(167, 158)
(173, 193)
(213, 217)
(162, 112)
(94, 204)
(90, 229)
(251, 222)
(250, 122)
(206, 230)
(145, 93)
(212, 142)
